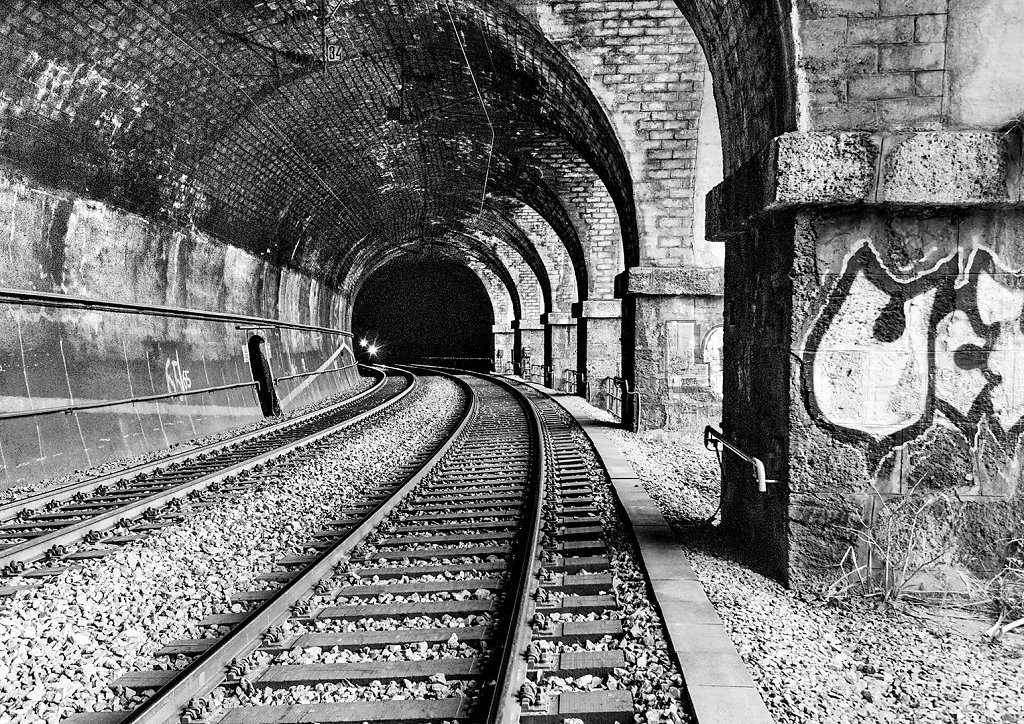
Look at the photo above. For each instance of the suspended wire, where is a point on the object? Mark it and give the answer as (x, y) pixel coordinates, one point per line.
(480, 97)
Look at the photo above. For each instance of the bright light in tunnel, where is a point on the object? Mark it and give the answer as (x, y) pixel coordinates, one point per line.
(363, 343)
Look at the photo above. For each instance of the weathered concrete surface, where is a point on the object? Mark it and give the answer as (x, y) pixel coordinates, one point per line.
(530, 341)
(504, 346)
(922, 169)
(676, 320)
(560, 346)
(600, 339)
(54, 357)
(984, 63)
(899, 380)
(676, 281)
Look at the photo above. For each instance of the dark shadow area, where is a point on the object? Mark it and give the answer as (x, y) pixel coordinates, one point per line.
(259, 364)
(425, 311)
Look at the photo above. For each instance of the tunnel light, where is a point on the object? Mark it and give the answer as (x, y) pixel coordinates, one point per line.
(363, 343)
(372, 349)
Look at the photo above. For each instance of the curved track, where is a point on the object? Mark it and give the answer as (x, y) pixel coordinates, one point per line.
(42, 526)
(445, 597)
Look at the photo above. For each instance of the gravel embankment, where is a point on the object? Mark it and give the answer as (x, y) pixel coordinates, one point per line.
(832, 662)
(650, 673)
(113, 466)
(62, 645)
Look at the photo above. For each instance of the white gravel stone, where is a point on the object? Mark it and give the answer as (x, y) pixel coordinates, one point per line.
(821, 662)
(64, 643)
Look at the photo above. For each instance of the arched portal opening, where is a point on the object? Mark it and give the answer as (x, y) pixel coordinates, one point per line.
(259, 364)
(426, 311)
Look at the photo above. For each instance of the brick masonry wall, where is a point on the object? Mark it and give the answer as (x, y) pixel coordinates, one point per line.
(553, 253)
(531, 296)
(501, 302)
(874, 64)
(593, 211)
(646, 67)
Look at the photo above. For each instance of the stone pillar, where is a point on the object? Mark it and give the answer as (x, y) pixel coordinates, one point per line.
(504, 346)
(529, 339)
(676, 319)
(599, 342)
(559, 347)
(873, 310)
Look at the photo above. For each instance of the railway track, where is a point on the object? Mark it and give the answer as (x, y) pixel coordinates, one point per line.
(470, 592)
(41, 527)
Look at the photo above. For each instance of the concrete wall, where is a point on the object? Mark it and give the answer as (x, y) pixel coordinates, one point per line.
(984, 65)
(58, 243)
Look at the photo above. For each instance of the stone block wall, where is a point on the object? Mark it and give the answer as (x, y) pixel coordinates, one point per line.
(872, 333)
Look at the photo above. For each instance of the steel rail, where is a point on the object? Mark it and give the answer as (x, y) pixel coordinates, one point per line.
(37, 547)
(69, 301)
(65, 492)
(207, 671)
(314, 372)
(68, 409)
(503, 707)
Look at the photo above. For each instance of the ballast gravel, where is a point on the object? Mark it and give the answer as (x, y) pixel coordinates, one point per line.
(62, 645)
(818, 661)
(649, 672)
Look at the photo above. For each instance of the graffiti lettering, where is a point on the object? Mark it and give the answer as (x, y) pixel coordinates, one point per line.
(176, 378)
(888, 360)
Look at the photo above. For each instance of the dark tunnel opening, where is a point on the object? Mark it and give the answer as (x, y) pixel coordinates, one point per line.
(425, 311)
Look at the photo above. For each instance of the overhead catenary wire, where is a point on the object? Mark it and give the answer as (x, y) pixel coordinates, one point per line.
(483, 106)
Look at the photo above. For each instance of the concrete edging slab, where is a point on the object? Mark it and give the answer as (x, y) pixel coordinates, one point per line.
(718, 682)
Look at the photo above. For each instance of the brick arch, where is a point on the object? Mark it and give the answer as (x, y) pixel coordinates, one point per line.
(750, 52)
(204, 114)
(502, 303)
(489, 261)
(488, 231)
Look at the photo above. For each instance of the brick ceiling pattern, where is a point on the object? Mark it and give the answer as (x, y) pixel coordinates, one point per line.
(324, 136)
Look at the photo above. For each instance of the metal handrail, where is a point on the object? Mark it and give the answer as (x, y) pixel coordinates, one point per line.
(315, 372)
(713, 437)
(635, 393)
(68, 301)
(459, 359)
(608, 386)
(570, 381)
(67, 409)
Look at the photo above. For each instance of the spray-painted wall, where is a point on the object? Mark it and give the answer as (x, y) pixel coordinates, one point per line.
(913, 376)
(876, 366)
(55, 355)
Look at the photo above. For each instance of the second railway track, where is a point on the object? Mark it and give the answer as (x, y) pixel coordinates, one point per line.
(44, 525)
(450, 597)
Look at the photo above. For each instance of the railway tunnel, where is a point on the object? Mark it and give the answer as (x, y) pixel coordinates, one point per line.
(797, 221)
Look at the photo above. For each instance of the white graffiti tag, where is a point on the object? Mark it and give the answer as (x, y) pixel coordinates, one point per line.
(886, 356)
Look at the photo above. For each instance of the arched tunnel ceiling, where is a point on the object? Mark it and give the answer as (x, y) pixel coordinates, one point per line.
(464, 250)
(225, 114)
